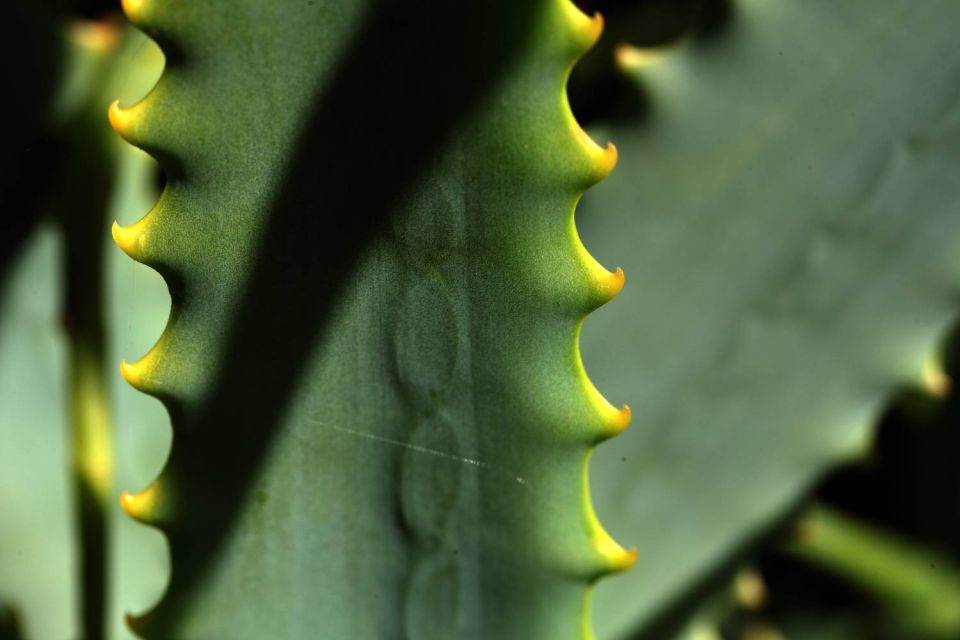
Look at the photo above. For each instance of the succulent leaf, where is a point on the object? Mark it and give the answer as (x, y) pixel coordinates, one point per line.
(381, 420)
(787, 207)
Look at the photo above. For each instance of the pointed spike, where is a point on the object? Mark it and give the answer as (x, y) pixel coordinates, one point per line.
(127, 372)
(129, 239)
(133, 9)
(96, 35)
(613, 421)
(142, 506)
(630, 58)
(749, 589)
(934, 381)
(620, 421)
(135, 374)
(612, 556)
(607, 160)
(593, 28)
(614, 283)
(615, 557)
(627, 559)
(601, 160)
(586, 28)
(120, 120)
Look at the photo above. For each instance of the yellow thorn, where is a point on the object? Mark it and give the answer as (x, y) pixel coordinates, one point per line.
(134, 374)
(614, 421)
(618, 558)
(608, 159)
(586, 28)
(593, 28)
(628, 559)
(123, 121)
(127, 238)
(98, 35)
(615, 282)
(614, 557)
(141, 506)
(620, 420)
(749, 589)
(602, 159)
(132, 8)
(632, 58)
(934, 380)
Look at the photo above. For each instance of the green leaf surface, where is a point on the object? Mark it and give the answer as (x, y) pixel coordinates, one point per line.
(381, 422)
(786, 212)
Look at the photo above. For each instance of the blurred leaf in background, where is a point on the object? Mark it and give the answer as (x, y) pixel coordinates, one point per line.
(70, 204)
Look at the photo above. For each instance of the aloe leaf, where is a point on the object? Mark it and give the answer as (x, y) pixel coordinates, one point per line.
(381, 422)
(53, 312)
(787, 207)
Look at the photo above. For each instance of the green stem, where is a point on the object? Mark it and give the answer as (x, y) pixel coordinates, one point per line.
(919, 587)
(83, 217)
(91, 431)
(92, 477)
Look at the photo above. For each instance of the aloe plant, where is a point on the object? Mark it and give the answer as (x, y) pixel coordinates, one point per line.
(381, 421)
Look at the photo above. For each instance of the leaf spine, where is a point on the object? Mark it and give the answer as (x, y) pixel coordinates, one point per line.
(612, 283)
(934, 380)
(614, 558)
(606, 285)
(137, 374)
(122, 121)
(631, 58)
(97, 35)
(130, 238)
(134, 10)
(613, 420)
(143, 506)
(586, 28)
